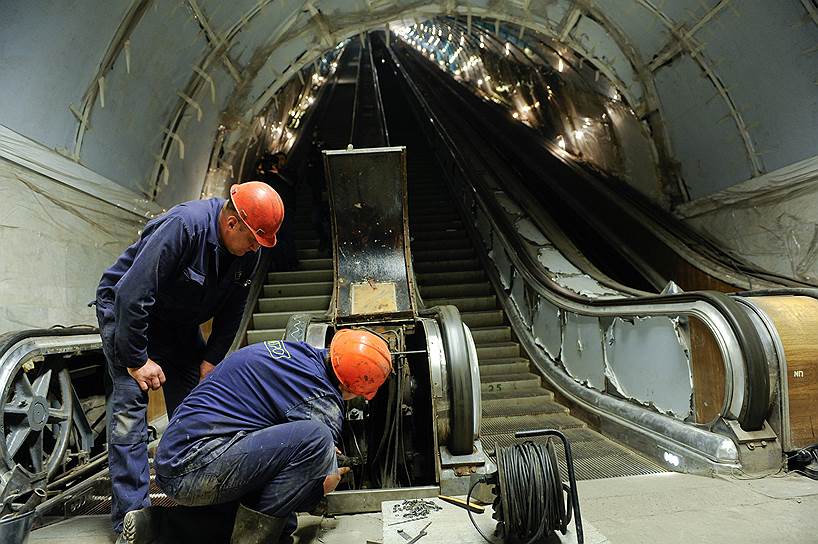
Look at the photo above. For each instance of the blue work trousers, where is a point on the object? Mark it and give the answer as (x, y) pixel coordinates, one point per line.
(126, 412)
(278, 470)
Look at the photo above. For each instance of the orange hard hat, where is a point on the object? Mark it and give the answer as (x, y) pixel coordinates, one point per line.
(361, 361)
(260, 208)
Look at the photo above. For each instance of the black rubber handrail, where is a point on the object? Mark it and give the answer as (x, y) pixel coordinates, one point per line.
(9, 339)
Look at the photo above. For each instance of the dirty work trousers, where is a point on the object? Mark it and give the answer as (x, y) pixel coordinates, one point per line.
(126, 413)
(278, 470)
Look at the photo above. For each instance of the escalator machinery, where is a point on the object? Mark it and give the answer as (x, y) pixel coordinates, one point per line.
(419, 436)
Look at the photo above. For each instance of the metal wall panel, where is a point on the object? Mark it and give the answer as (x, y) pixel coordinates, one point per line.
(49, 55)
(705, 139)
(642, 27)
(642, 365)
(598, 43)
(186, 177)
(767, 56)
(582, 352)
(547, 328)
(127, 134)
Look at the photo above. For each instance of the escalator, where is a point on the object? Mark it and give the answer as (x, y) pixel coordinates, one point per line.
(448, 272)
(633, 241)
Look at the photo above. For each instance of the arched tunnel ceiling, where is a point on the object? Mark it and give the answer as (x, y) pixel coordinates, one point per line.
(730, 86)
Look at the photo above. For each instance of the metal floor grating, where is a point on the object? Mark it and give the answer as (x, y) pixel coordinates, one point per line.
(595, 456)
(98, 500)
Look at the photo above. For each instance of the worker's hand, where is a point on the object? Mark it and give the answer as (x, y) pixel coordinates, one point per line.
(332, 481)
(204, 369)
(148, 376)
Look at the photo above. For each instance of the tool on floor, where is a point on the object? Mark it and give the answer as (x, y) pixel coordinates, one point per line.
(477, 509)
(420, 535)
(406, 521)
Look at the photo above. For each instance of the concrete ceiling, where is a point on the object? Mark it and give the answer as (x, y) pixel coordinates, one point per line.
(129, 89)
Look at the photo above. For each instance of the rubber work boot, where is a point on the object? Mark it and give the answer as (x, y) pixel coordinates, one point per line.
(253, 527)
(143, 526)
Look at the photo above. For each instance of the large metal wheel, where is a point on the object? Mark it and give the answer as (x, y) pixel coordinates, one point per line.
(463, 378)
(35, 414)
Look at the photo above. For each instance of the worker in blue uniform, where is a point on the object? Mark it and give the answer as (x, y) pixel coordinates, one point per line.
(261, 430)
(189, 265)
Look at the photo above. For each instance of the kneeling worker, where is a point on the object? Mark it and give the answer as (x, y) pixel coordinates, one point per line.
(262, 430)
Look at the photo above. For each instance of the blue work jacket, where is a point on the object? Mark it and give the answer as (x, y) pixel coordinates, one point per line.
(176, 276)
(256, 387)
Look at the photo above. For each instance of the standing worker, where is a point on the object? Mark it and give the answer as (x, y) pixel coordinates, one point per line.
(272, 169)
(261, 430)
(191, 264)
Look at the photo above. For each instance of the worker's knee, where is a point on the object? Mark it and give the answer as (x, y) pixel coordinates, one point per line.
(317, 447)
(315, 435)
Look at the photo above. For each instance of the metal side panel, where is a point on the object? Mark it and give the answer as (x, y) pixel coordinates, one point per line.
(373, 267)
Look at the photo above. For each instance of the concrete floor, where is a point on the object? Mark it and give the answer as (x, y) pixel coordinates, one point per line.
(655, 509)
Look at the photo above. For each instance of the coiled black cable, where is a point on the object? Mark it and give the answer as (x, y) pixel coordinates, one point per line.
(530, 506)
(533, 504)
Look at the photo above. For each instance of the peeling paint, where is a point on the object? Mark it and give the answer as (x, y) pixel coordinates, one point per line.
(519, 299)
(528, 230)
(555, 262)
(547, 327)
(585, 285)
(483, 227)
(582, 352)
(508, 204)
(647, 362)
(501, 261)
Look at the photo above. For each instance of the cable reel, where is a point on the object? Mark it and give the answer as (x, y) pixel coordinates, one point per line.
(529, 505)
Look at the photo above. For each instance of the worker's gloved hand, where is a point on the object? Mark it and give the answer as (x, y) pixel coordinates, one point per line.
(148, 376)
(205, 368)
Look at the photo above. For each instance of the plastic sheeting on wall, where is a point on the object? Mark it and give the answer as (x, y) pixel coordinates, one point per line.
(63, 226)
(770, 220)
(56, 243)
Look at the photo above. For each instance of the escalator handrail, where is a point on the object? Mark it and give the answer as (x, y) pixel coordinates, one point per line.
(709, 306)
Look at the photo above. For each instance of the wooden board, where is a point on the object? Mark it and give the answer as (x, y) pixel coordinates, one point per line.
(373, 298)
(707, 368)
(796, 319)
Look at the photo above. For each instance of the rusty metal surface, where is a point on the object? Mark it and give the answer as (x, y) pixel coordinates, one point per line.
(370, 233)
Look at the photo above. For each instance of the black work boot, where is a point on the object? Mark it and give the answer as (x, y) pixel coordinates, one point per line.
(143, 526)
(179, 524)
(253, 527)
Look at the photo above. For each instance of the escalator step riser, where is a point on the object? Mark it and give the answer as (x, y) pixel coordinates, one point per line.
(496, 352)
(297, 276)
(503, 369)
(276, 320)
(483, 319)
(491, 335)
(297, 289)
(263, 335)
(450, 278)
(294, 304)
(438, 254)
(462, 290)
(448, 266)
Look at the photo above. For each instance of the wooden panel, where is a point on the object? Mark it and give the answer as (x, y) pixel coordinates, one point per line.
(796, 319)
(156, 405)
(707, 367)
(690, 278)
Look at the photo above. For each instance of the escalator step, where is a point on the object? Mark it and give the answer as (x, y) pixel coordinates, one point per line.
(297, 289)
(294, 276)
(263, 335)
(466, 304)
(294, 304)
(457, 290)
